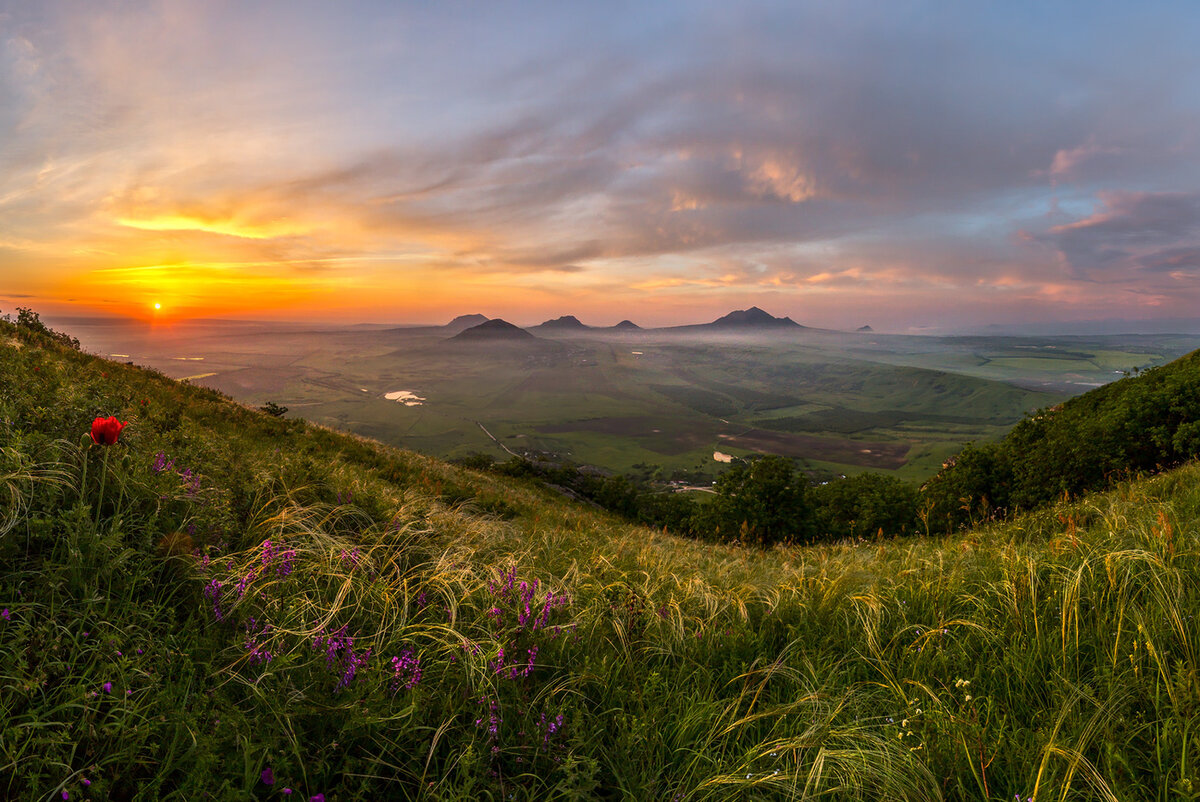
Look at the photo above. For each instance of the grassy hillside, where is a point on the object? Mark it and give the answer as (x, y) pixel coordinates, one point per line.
(227, 605)
(1136, 425)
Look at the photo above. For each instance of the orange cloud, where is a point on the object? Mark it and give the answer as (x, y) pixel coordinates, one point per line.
(229, 227)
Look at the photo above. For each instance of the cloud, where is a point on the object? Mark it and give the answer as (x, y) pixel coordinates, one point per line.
(1068, 161)
(792, 148)
(1130, 232)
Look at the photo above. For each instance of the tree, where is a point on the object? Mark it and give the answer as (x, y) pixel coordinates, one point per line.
(764, 501)
(864, 505)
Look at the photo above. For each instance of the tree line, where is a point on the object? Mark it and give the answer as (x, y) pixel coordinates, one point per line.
(1135, 426)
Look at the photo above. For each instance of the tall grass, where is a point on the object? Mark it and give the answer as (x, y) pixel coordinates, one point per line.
(235, 600)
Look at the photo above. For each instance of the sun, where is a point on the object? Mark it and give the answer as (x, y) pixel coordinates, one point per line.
(157, 306)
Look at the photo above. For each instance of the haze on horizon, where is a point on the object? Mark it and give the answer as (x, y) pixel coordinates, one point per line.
(908, 165)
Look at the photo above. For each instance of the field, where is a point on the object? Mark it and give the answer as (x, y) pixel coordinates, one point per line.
(839, 402)
(224, 605)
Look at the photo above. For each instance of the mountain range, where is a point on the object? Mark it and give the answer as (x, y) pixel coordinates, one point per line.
(473, 327)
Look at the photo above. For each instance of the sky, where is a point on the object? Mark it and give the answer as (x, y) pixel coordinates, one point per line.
(914, 166)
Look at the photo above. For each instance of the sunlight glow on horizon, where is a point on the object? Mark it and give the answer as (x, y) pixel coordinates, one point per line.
(408, 164)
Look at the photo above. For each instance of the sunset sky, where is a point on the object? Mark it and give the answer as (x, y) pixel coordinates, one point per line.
(915, 166)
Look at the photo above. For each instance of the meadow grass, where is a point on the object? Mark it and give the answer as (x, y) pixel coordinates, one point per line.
(223, 598)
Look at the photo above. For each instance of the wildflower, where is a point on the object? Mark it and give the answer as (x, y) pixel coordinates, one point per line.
(317, 798)
(6, 615)
(406, 670)
(105, 431)
(212, 591)
(161, 463)
(66, 794)
(106, 687)
(268, 776)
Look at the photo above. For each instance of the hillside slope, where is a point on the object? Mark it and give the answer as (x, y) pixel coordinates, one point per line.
(1138, 425)
(225, 605)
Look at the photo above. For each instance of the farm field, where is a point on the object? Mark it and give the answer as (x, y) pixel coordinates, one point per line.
(842, 403)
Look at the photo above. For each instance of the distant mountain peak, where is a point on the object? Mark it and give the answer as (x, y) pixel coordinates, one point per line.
(463, 322)
(864, 328)
(564, 322)
(627, 325)
(495, 329)
(753, 317)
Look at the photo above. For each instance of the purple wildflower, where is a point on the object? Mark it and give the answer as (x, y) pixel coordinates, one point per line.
(493, 721)
(256, 641)
(406, 671)
(350, 558)
(317, 798)
(6, 615)
(245, 581)
(341, 655)
(212, 591)
(268, 776)
(550, 728)
(161, 463)
(281, 558)
(106, 687)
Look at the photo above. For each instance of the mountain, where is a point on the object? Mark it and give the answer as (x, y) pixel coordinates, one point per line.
(864, 328)
(566, 323)
(495, 330)
(753, 318)
(464, 322)
(626, 325)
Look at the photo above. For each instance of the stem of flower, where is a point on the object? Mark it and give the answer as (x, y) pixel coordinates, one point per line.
(103, 478)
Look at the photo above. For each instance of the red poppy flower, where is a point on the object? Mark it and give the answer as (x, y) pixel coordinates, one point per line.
(105, 431)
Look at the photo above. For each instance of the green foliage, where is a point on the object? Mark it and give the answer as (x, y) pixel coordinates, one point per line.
(30, 321)
(865, 506)
(273, 409)
(763, 501)
(1052, 656)
(1134, 426)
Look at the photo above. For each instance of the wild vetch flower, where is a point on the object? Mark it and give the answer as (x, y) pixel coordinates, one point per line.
(493, 721)
(105, 431)
(161, 463)
(268, 776)
(255, 642)
(317, 798)
(505, 588)
(245, 581)
(340, 653)
(106, 687)
(406, 671)
(212, 591)
(281, 558)
(550, 727)
(6, 615)
(350, 558)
